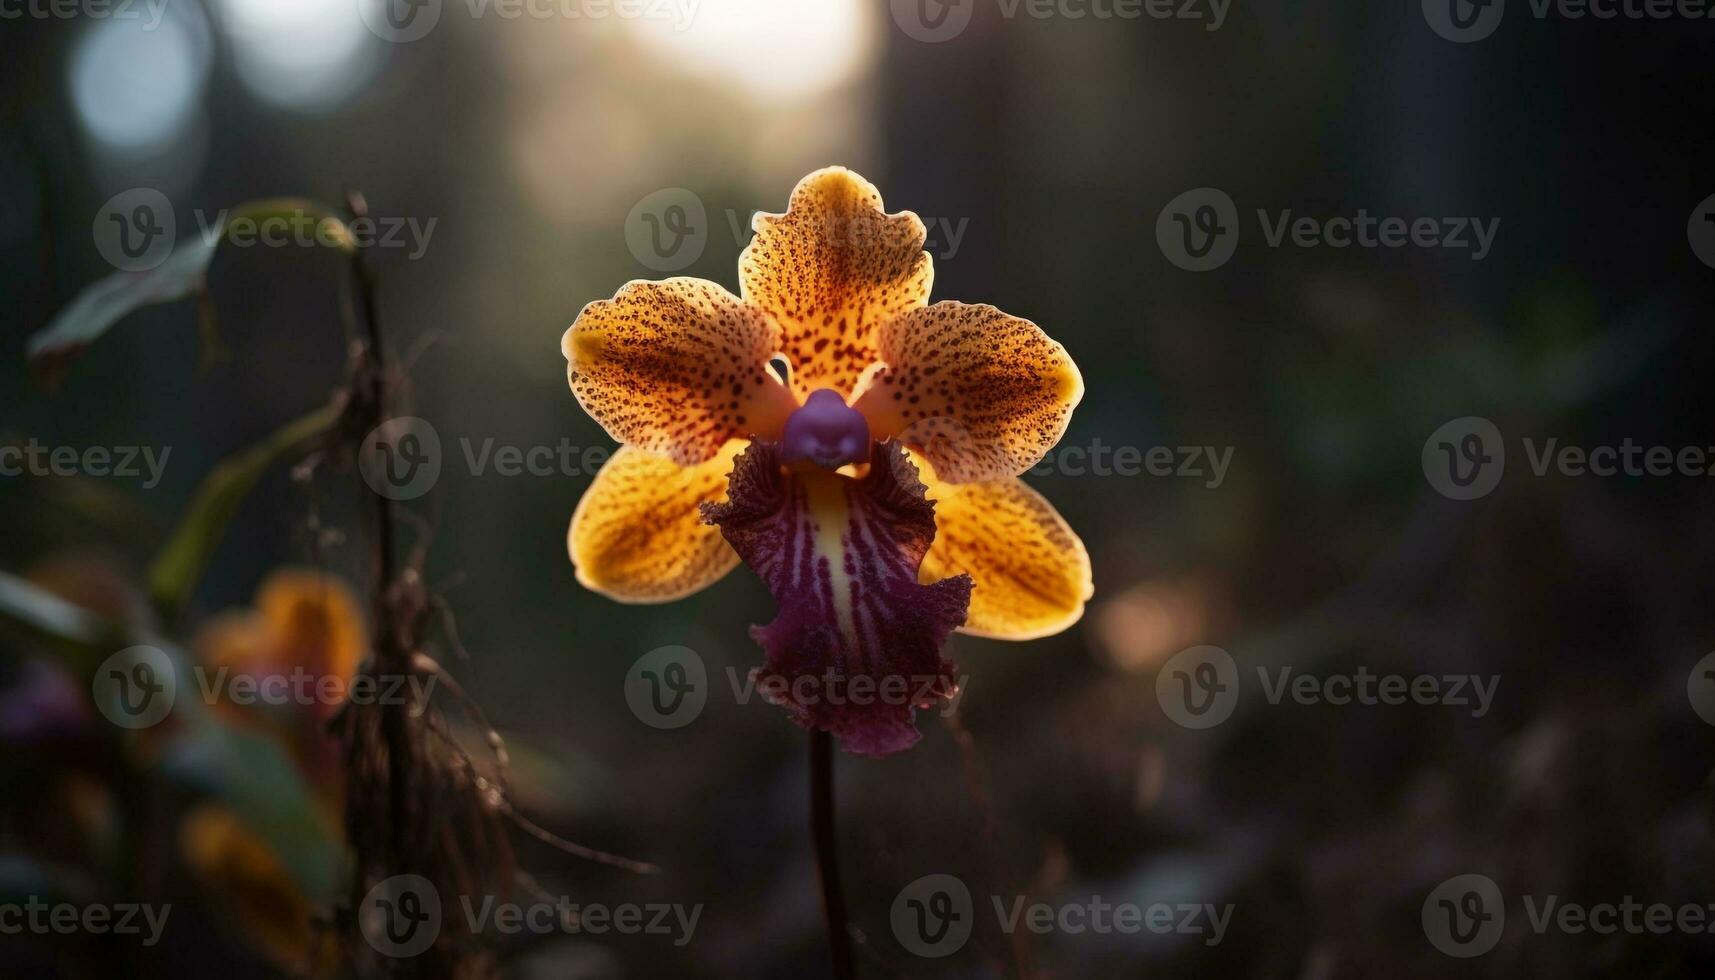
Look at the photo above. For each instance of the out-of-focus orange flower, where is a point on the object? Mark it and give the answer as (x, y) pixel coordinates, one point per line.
(256, 893)
(302, 642)
(878, 496)
(304, 621)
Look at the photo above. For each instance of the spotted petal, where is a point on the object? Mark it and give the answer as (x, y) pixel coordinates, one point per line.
(1031, 573)
(982, 394)
(676, 367)
(638, 536)
(856, 647)
(832, 270)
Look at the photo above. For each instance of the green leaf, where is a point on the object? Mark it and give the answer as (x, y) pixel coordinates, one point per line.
(184, 273)
(179, 565)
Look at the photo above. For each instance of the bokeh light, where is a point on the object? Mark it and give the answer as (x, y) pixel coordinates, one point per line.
(136, 89)
(773, 49)
(309, 55)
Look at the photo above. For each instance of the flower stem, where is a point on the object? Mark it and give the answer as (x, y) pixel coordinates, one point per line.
(827, 852)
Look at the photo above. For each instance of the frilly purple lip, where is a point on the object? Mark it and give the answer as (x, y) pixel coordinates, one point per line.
(856, 647)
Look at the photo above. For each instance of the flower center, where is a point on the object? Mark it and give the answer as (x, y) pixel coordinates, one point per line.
(826, 431)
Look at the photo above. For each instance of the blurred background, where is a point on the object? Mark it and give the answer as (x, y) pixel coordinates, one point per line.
(524, 161)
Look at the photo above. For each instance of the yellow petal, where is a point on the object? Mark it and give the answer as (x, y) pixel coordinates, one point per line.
(832, 270)
(315, 622)
(982, 394)
(1032, 574)
(637, 535)
(677, 367)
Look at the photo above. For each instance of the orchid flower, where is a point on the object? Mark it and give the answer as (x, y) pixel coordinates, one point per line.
(872, 484)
